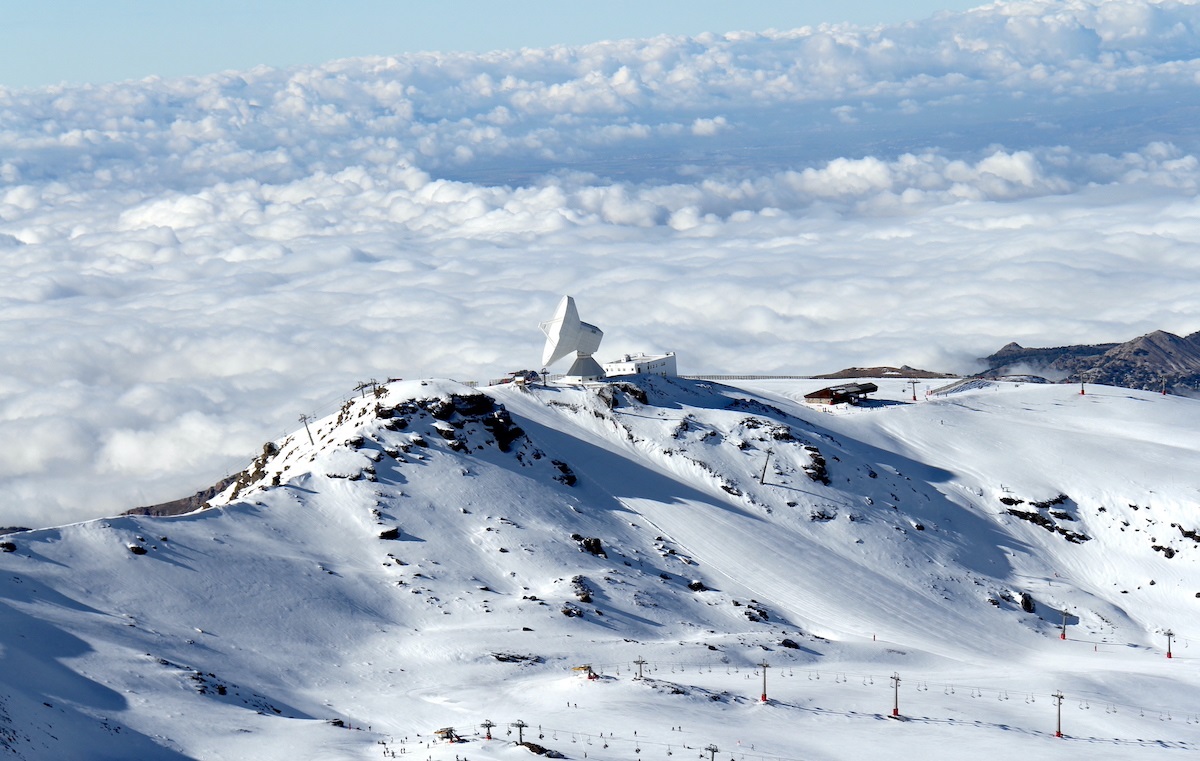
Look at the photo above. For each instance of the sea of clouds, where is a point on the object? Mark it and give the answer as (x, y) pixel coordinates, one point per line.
(191, 264)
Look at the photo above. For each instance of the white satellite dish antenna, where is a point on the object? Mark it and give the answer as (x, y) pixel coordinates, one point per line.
(566, 334)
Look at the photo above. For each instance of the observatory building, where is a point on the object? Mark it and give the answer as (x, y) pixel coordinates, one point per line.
(642, 364)
(565, 333)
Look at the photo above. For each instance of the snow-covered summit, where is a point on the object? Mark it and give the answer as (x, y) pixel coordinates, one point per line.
(436, 555)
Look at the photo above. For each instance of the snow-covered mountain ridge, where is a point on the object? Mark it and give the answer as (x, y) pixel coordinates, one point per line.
(437, 555)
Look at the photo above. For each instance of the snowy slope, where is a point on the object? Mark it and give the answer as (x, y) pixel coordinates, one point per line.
(437, 556)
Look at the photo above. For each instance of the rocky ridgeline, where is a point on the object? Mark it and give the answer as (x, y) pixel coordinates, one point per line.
(367, 430)
(1153, 362)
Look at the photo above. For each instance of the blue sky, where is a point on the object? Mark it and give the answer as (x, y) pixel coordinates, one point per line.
(52, 41)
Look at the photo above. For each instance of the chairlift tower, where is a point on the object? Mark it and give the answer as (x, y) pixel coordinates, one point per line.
(1058, 701)
(520, 725)
(895, 694)
(640, 662)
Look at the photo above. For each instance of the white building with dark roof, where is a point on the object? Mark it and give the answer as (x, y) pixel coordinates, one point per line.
(642, 364)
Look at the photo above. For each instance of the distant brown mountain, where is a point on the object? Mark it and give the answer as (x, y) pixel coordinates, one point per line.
(883, 372)
(1151, 362)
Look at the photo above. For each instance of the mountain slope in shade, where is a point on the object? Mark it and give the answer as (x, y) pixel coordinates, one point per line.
(437, 555)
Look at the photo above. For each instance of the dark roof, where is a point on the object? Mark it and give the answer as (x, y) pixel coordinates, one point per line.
(845, 391)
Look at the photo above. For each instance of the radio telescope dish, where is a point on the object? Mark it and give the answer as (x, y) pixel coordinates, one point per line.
(565, 334)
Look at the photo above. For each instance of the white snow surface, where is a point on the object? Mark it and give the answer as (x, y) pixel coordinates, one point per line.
(239, 631)
(191, 262)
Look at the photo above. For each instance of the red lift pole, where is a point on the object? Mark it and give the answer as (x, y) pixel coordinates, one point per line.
(1058, 698)
(896, 694)
(764, 666)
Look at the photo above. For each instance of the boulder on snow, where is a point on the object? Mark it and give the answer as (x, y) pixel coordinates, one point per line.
(541, 750)
(1027, 603)
(592, 544)
(566, 475)
(517, 657)
(501, 426)
(583, 591)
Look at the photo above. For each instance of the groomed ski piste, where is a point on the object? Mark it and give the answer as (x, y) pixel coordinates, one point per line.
(440, 557)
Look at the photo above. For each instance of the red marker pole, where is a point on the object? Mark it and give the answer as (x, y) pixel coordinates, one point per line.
(1058, 697)
(896, 694)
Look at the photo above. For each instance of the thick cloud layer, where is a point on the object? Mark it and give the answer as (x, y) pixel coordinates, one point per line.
(192, 264)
